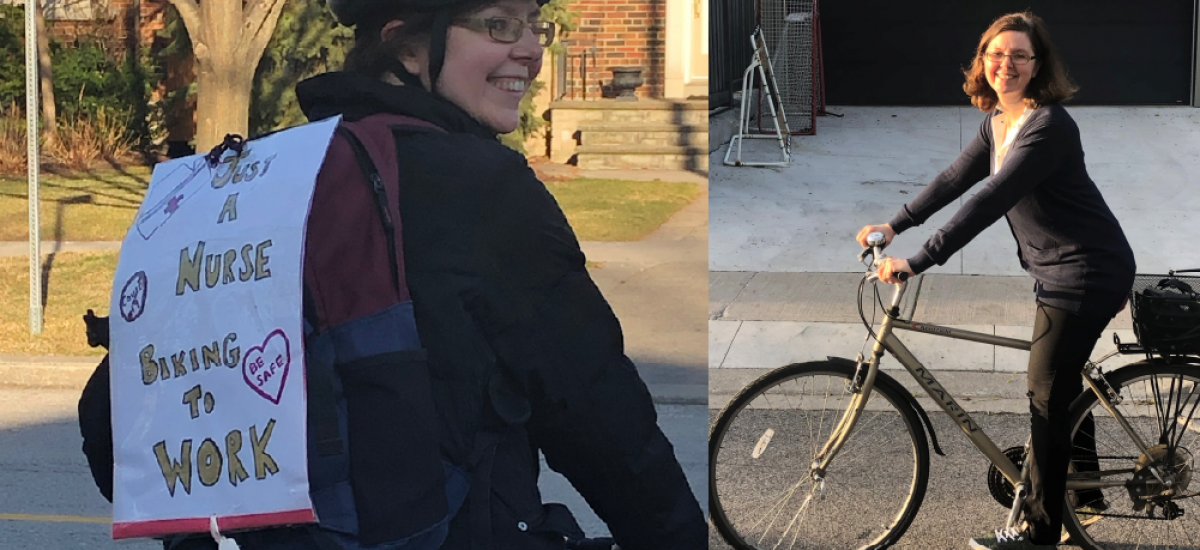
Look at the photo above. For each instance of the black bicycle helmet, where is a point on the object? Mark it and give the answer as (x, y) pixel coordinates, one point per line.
(353, 13)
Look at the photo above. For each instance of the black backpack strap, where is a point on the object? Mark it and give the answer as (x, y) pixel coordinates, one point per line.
(379, 193)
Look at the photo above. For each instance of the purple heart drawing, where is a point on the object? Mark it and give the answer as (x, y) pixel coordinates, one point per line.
(265, 367)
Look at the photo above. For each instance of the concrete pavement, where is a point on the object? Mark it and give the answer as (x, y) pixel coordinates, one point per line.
(783, 279)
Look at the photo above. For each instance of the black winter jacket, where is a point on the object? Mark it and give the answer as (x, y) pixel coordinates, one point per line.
(498, 285)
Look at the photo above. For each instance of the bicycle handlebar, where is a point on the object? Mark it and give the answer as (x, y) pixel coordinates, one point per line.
(875, 245)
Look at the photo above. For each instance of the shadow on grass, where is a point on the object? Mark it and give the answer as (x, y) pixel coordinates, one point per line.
(113, 183)
(48, 265)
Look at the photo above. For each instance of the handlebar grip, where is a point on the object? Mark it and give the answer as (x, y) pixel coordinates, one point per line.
(902, 275)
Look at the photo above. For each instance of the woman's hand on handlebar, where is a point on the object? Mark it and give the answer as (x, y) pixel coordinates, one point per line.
(886, 229)
(890, 268)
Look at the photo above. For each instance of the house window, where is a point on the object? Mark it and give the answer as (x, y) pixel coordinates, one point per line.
(61, 10)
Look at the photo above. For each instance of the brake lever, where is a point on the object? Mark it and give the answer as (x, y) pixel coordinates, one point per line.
(863, 255)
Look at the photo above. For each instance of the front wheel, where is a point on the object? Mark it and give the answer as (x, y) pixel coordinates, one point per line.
(762, 492)
(1155, 504)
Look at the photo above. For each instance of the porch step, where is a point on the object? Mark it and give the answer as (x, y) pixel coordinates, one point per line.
(647, 135)
(646, 111)
(660, 157)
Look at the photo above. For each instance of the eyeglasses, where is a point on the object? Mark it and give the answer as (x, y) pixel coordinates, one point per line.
(1017, 58)
(509, 29)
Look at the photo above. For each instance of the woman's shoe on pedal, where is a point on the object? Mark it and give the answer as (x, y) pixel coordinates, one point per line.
(1007, 539)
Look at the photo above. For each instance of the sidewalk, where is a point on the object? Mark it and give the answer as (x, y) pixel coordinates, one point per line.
(655, 285)
(783, 277)
(760, 321)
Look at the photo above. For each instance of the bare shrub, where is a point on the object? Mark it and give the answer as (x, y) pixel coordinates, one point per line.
(82, 141)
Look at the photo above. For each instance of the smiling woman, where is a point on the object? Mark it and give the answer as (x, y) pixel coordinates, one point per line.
(1067, 238)
(450, 317)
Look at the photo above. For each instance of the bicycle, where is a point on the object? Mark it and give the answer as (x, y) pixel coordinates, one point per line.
(834, 454)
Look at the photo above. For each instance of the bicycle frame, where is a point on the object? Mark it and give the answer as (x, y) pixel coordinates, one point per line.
(887, 341)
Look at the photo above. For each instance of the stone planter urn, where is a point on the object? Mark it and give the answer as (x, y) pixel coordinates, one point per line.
(625, 81)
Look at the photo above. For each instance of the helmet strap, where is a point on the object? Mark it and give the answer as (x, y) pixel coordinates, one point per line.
(397, 68)
(437, 47)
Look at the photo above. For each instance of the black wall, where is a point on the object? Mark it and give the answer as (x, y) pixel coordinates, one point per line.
(884, 52)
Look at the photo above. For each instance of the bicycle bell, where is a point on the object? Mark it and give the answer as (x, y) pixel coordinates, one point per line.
(876, 239)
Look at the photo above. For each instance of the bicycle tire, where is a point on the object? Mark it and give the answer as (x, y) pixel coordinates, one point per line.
(1121, 525)
(840, 518)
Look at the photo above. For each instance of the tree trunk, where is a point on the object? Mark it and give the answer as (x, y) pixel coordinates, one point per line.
(222, 103)
(228, 39)
(45, 76)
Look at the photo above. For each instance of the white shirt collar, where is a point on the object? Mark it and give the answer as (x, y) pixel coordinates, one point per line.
(1010, 135)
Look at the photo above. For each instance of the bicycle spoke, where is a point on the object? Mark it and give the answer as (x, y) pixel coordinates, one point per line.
(779, 508)
(1182, 429)
(803, 505)
(812, 440)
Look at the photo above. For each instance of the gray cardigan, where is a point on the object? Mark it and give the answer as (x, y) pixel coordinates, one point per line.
(1067, 238)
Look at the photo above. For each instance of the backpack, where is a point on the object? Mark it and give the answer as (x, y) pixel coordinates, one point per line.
(369, 486)
(391, 487)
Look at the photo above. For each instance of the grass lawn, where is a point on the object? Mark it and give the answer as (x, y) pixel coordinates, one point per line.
(101, 206)
(77, 281)
(615, 210)
(86, 207)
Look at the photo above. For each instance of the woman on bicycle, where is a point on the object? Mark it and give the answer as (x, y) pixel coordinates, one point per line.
(1067, 239)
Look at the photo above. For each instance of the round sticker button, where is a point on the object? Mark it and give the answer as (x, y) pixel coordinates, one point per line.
(133, 297)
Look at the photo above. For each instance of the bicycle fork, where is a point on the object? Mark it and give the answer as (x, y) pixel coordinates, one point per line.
(845, 426)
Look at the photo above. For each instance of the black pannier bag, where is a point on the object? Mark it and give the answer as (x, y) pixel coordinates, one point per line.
(1166, 313)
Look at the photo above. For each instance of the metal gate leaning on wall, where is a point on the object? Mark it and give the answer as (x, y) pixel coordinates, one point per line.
(882, 52)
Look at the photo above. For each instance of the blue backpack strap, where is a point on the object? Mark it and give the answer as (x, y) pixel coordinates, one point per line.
(322, 399)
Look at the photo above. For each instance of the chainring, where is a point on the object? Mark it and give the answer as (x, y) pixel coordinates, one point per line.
(998, 485)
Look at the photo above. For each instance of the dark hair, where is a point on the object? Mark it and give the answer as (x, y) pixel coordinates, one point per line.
(1050, 85)
(373, 56)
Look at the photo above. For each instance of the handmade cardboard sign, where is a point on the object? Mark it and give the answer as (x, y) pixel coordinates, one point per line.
(206, 342)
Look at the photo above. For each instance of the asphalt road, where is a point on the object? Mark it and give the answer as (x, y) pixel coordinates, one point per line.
(48, 500)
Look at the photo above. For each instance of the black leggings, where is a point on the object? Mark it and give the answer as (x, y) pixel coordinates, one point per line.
(1062, 343)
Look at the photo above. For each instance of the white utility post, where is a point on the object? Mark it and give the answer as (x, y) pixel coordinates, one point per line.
(31, 132)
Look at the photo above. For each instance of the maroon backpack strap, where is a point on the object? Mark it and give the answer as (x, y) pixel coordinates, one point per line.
(407, 122)
(342, 243)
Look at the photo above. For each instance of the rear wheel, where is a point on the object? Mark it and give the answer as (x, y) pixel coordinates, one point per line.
(1154, 507)
(762, 492)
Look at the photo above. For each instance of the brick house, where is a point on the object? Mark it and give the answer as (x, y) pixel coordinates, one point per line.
(668, 39)
(118, 22)
(667, 127)
(121, 25)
